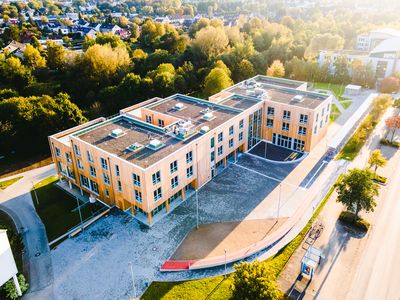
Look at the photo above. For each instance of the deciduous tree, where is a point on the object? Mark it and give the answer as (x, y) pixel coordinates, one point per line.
(392, 124)
(216, 81)
(276, 69)
(376, 159)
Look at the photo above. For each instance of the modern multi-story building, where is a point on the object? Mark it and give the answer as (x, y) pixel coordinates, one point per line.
(155, 154)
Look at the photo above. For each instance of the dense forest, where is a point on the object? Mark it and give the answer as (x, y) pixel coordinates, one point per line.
(52, 87)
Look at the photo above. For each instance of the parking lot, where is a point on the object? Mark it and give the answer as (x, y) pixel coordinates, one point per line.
(116, 240)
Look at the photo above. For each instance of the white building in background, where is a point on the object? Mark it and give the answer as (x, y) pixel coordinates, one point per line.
(7, 262)
(368, 41)
(384, 58)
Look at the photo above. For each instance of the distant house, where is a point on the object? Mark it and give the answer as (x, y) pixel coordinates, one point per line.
(107, 28)
(368, 41)
(86, 31)
(15, 48)
(94, 26)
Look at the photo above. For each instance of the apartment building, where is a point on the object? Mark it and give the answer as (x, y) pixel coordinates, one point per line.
(154, 155)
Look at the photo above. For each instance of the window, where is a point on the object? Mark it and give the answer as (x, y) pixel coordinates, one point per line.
(93, 187)
(68, 157)
(240, 136)
(89, 156)
(326, 118)
(189, 172)
(160, 123)
(92, 171)
(57, 151)
(315, 129)
(230, 143)
(107, 194)
(173, 167)
(76, 150)
(136, 180)
(212, 142)
(157, 194)
(303, 119)
(117, 170)
(148, 119)
(174, 182)
(119, 186)
(270, 123)
(241, 123)
(270, 111)
(138, 196)
(156, 177)
(285, 126)
(212, 156)
(80, 165)
(316, 118)
(231, 130)
(323, 112)
(302, 130)
(320, 124)
(106, 179)
(286, 115)
(104, 163)
(189, 157)
(220, 137)
(61, 168)
(220, 150)
(84, 181)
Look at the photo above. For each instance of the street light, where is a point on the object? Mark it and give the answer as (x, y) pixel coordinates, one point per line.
(225, 263)
(133, 280)
(79, 210)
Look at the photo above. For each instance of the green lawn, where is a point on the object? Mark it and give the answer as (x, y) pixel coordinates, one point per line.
(218, 287)
(335, 113)
(6, 183)
(336, 89)
(57, 209)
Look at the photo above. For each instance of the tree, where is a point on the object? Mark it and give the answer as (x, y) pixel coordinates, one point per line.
(357, 191)
(341, 65)
(390, 85)
(55, 55)
(376, 159)
(254, 281)
(244, 70)
(324, 41)
(276, 69)
(15, 73)
(216, 81)
(210, 42)
(33, 58)
(392, 124)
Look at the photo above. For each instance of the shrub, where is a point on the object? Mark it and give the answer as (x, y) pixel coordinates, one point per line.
(350, 218)
(387, 142)
(390, 85)
(11, 291)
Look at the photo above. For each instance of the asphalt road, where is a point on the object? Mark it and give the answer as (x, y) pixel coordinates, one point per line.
(378, 272)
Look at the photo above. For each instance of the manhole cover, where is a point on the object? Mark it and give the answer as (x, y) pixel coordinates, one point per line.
(37, 254)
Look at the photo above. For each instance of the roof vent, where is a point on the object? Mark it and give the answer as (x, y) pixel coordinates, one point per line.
(298, 98)
(208, 116)
(179, 106)
(134, 147)
(116, 133)
(155, 144)
(204, 129)
(259, 92)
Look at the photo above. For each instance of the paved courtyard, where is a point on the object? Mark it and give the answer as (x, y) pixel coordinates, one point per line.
(116, 240)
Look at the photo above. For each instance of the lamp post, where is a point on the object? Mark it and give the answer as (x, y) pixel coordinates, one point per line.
(79, 210)
(133, 280)
(225, 263)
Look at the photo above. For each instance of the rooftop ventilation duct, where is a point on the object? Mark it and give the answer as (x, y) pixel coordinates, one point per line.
(208, 116)
(204, 129)
(155, 144)
(179, 106)
(116, 133)
(134, 147)
(298, 98)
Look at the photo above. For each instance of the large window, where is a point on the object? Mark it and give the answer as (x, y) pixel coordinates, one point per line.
(136, 179)
(92, 171)
(286, 115)
(84, 181)
(302, 130)
(173, 167)
(241, 124)
(148, 119)
(68, 157)
(138, 196)
(220, 137)
(104, 163)
(77, 150)
(157, 194)
(230, 143)
(240, 136)
(80, 165)
(189, 172)
(231, 130)
(303, 119)
(89, 156)
(160, 123)
(270, 111)
(106, 179)
(220, 150)
(189, 157)
(174, 182)
(116, 170)
(156, 177)
(285, 126)
(119, 185)
(270, 123)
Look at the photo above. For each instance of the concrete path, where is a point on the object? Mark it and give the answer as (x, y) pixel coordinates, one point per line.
(17, 202)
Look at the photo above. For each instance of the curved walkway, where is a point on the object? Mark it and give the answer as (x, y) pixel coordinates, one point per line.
(16, 201)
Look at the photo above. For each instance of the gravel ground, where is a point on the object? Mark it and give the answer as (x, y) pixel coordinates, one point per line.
(95, 265)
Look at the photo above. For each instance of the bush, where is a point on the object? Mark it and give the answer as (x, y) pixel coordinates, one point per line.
(11, 291)
(350, 218)
(390, 85)
(387, 142)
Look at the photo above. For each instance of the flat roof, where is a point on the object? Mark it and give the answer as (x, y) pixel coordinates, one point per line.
(134, 132)
(279, 94)
(240, 102)
(194, 109)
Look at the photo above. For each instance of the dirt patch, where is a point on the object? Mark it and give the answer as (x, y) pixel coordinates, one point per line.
(210, 240)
